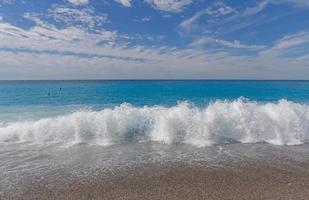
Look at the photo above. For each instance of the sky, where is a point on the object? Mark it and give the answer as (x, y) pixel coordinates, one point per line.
(154, 39)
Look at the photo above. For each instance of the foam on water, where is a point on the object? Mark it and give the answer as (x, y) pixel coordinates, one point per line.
(281, 123)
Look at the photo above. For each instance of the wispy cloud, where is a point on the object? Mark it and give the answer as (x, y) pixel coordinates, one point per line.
(126, 3)
(296, 44)
(79, 2)
(73, 53)
(292, 40)
(7, 1)
(74, 41)
(256, 8)
(261, 5)
(169, 5)
(234, 44)
(219, 19)
(146, 19)
(82, 17)
(188, 23)
(214, 12)
(219, 9)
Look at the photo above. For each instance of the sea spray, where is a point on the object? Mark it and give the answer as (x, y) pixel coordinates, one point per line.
(240, 121)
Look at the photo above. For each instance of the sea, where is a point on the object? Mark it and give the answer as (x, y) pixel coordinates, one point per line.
(75, 128)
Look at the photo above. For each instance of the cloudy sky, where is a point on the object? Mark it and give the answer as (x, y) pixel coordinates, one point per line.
(154, 39)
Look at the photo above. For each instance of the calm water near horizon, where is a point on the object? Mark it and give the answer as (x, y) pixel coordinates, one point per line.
(48, 98)
(14, 93)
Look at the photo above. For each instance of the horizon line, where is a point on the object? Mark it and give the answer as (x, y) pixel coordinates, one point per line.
(154, 79)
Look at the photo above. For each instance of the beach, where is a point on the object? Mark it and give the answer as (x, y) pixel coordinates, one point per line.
(245, 178)
(180, 182)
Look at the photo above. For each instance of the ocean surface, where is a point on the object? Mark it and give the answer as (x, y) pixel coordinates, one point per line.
(195, 112)
(70, 128)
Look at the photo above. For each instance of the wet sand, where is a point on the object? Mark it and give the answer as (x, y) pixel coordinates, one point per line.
(254, 180)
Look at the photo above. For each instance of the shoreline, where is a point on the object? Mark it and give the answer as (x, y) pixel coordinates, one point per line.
(249, 180)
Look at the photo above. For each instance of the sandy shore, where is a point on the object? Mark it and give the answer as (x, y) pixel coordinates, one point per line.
(179, 181)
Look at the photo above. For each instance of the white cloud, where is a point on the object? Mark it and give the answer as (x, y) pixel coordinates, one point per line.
(126, 3)
(79, 2)
(47, 51)
(146, 19)
(71, 53)
(257, 8)
(23, 65)
(260, 6)
(289, 44)
(187, 23)
(169, 5)
(223, 19)
(85, 17)
(292, 40)
(42, 38)
(234, 44)
(217, 10)
(35, 18)
(7, 1)
(297, 2)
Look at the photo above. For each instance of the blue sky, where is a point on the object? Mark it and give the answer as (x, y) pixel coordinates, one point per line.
(154, 39)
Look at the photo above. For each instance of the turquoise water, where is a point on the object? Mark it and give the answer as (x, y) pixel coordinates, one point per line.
(138, 93)
(199, 113)
(26, 100)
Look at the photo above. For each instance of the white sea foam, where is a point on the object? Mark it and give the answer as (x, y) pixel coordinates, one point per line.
(281, 123)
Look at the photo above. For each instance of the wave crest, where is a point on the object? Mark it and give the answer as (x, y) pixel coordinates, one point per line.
(281, 123)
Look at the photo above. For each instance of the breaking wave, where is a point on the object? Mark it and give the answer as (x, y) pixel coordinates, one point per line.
(281, 123)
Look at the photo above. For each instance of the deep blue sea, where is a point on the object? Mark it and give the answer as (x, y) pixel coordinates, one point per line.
(56, 129)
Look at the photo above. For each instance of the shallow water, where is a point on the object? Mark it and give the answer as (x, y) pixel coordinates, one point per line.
(23, 165)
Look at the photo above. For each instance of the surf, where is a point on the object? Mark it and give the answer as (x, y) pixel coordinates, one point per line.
(219, 122)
